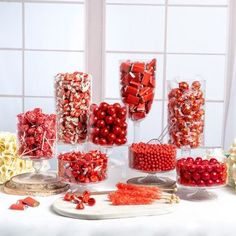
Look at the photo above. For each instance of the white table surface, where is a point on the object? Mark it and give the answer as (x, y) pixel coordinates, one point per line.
(212, 217)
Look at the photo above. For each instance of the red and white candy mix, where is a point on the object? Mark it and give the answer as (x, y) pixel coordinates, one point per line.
(152, 157)
(199, 172)
(79, 167)
(73, 95)
(80, 199)
(36, 134)
(137, 87)
(186, 115)
(108, 124)
(23, 204)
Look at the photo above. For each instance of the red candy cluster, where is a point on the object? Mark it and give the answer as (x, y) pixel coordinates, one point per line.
(138, 87)
(80, 199)
(73, 94)
(108, 124)
(79, 167)
(152, 157)
(36, 134)
(201, 173)
(186, 115)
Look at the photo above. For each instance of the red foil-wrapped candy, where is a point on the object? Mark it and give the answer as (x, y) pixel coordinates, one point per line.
(80, 167)
(36, 134)
(186, 113)
(198, 172)
(108, 125)
(137, 81)
(73, 96)
(152, 157)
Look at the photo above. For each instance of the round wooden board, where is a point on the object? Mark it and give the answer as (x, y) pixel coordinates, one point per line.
(104, 210)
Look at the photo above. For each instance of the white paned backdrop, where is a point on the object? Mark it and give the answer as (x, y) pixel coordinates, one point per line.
(40, 38)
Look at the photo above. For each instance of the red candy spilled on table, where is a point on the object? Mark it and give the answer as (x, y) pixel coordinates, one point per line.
(80, 199)
(80, 167)
(108, 124)
(73, 96)
(36, 134)
(29, 201)
(186, 115)
(201, 173)
(138, 87)
(152, 157)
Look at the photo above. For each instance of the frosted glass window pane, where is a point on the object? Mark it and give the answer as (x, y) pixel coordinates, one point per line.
(39, 78)
(47, 104)
(135, 28)
(137, 1)
(10, 24)
(112, 72)
(214, 124)
(200, 30)
(11, 107)
(11, 72)
(199, 2)
(211, 68)
(54, 26)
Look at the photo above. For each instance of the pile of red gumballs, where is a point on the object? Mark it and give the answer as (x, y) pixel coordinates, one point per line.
(186, 114)
(108, 124)
(152, 157)
(201, 173)
(80, 167)
(36, 134)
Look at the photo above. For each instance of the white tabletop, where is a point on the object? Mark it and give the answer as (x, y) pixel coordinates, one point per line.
(212, 217)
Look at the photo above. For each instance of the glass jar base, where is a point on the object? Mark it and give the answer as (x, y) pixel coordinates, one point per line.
(37, 184)
(165, 183)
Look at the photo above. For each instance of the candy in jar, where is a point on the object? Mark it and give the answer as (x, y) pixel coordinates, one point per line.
(81, 167)
(186, 113)
(36, 134)
(10, 163)
(137, 81)
(73, 96)
(108, 125)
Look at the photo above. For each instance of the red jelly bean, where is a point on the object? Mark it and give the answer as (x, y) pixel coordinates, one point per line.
(36, 134)
(152, 157)
(137, 87)
(204, 174)
(73, 95)
(79, 167)
(111, 128)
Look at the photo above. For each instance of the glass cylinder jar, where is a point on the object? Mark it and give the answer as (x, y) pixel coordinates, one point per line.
(10, 163)
(77, 167)
(36, 135)
(137, 80)
(108, 124)
(186, 112)
(73, 97)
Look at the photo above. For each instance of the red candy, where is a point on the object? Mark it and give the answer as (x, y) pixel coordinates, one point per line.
(137, 87)
(108, 124)
(73, 94)
(200, 172)
(36, 134)
(78, 167)
(152, 157)
(186, 115)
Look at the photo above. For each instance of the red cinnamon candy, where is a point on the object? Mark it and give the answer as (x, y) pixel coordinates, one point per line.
(137, 81)
(73, 96)
(186, 114)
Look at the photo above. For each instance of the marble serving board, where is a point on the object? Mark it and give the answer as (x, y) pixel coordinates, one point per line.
(104, 210)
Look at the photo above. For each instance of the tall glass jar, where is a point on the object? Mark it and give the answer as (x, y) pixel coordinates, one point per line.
(73, 97)
(186, 113)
